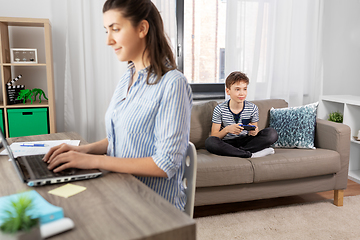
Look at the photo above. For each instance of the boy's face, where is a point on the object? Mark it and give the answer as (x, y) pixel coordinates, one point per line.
(237, 91)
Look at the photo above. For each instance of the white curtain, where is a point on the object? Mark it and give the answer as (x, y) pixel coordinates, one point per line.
(167, 9)
(277, 44)
(92, 70)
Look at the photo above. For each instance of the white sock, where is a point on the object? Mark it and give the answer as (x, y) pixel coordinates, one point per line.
(262, 153)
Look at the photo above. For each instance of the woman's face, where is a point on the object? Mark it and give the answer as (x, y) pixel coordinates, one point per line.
(127, 41)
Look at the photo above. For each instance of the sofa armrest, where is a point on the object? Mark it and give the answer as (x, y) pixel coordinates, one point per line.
(335, 136)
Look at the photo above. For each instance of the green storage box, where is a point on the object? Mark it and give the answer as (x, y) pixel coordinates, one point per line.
(2, 120)
(27, 121)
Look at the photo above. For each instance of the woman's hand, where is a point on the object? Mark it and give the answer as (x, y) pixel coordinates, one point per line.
(68, 155)
(73, 159)
(55, 151)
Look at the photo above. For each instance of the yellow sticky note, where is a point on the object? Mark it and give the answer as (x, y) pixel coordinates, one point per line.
(67, 190)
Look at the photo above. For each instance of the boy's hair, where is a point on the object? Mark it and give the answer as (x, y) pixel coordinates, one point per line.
(235, 77)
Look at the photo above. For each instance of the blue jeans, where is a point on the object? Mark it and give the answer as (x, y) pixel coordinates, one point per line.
(242, 146)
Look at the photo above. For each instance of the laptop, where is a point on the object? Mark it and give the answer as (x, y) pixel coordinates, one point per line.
(33, 170)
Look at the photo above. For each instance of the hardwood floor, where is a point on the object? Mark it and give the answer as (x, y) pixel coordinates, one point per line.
(353, 189)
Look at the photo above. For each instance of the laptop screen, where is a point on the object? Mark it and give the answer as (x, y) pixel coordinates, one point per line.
(6, 145)
(10, 153)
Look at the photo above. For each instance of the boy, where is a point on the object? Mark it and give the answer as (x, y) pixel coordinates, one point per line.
(228, 137)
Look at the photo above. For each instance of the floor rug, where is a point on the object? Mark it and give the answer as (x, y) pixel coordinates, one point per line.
(319, 220)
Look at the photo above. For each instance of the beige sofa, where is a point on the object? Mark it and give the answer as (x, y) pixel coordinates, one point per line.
(288, 172)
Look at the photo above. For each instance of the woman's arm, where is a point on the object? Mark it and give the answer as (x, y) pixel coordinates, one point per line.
(137, 166)
(99, 148)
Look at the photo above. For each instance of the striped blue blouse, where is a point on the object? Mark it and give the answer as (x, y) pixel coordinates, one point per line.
(223, 115)
(152, 121)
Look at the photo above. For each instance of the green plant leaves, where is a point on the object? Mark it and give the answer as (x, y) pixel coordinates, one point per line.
(17, 217)
(336, 117)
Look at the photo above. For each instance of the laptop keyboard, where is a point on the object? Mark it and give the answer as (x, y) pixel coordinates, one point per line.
(39, 167)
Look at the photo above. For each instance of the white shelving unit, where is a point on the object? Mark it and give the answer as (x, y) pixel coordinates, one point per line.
(349, 106)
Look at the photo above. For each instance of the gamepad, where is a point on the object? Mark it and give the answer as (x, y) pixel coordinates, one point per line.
(248, 127)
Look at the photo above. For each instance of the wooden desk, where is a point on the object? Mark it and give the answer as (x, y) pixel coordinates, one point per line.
(114, 206)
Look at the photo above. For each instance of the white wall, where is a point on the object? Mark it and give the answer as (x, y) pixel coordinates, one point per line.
(24, 8)
(58, 40)
(341, 44)
(341, 47)
(42, 9)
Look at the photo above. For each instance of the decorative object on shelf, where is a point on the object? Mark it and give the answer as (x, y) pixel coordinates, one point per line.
(336, 117)
(38, 91)
(14, 80)
(20, 220)
(23, 55)
(13, 90)
(357, 138)
(26, 94)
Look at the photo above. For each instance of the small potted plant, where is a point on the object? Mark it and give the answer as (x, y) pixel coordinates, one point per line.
(336, 117)
(18, 221)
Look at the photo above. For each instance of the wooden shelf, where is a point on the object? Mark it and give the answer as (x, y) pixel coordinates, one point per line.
(6, 68)
(44, 103)
(25, 64)
(24, 22)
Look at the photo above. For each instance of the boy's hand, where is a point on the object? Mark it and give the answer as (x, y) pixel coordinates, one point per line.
(254, 132)
(234, 129)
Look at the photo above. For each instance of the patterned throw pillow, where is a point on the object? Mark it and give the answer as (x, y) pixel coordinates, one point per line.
(295, 126)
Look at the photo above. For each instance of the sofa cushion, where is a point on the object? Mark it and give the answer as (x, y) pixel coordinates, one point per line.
(264, 109)
(288, 164)
(214, 170)
(295, 126)
(201, 120)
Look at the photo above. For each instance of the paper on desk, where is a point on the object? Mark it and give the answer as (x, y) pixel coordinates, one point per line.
(67, 190)
(25, 151)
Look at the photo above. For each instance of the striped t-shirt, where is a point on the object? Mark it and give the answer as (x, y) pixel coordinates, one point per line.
(223, 115)
(152, 121)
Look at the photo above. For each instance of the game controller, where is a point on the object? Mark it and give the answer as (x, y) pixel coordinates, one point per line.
(248, 127)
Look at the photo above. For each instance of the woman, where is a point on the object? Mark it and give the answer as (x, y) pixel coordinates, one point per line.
(148, 119)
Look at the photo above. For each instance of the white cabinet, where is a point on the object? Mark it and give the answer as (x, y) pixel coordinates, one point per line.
(349, 106)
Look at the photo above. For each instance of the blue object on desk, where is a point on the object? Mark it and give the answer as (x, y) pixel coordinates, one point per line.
(32, 145)
(42, 208)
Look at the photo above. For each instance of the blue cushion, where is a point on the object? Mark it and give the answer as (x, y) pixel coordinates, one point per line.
(295, 126)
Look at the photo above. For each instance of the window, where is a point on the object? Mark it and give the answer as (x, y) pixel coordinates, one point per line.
(204, 37)
(201, 28)
(271, 41)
